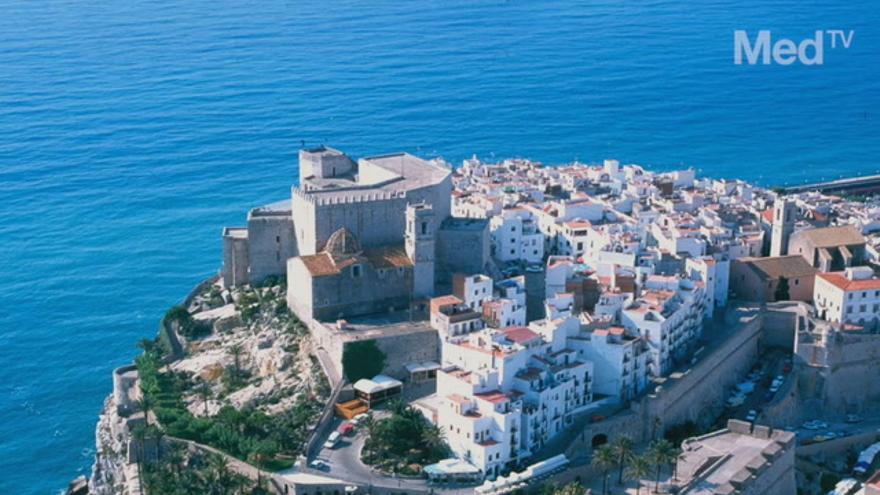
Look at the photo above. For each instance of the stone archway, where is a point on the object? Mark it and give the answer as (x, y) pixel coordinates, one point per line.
(599, 440)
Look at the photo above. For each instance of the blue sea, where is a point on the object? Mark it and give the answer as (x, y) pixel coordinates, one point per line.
(132, 132)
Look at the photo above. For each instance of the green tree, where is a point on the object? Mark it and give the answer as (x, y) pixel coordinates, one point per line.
(145, 404)
(362, 359)
(623, 449)
(434, 439)
(204, 391)
(637, 469)
(661, 453)
(572, 488)
(782, 290)
(139, 434)
(236, 351)
(603, 460)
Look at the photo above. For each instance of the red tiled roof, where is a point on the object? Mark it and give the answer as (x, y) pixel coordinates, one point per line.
(494, 396)
(520, 335)
(319, 265)
(839, 280)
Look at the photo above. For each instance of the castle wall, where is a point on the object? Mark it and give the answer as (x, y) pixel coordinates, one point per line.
(698, 395)
(852, 358)
(461, 251)
(781, 324)
(344, 296)
(271, 241)
(236, 260)
(414, 347)
(299, 288)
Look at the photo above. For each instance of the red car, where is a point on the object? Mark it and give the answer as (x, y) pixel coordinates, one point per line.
(346, 429)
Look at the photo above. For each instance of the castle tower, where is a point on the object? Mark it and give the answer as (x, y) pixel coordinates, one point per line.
(420, 229)
(784, 213)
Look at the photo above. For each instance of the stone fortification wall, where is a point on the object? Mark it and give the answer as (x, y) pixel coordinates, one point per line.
(461, 250)
(698, 394)
(852, 358)
(271, 241)
(414, 347)
(376, 217)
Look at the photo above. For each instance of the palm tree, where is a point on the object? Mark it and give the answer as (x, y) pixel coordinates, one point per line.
(638, 468)
(370, 425)
(572, 488)
(603, 460)
(623, 449)
(145, 404)
(236, 350)
(661, 453)
(139, 434)
(204, 391)
(146, 345)
(433, 437)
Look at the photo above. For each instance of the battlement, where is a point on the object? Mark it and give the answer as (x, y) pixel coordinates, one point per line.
(347, 197)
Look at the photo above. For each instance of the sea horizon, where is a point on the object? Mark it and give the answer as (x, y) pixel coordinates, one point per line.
(131, 134)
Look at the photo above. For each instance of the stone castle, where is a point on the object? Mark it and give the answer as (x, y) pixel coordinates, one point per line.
(358, 237)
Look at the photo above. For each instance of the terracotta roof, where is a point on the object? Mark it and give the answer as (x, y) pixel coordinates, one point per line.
(520, 335)
(833, 236)
(325, 264)
(388, 257)
(320, 265)
(839, 280)
(772, 268)
(494, 396)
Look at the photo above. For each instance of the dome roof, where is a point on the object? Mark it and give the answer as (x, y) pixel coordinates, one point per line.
(343, 243)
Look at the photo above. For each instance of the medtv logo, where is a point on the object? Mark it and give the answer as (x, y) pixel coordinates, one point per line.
(810, 51)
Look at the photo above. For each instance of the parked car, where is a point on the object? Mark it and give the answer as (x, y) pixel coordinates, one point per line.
(768, 396)
(345, 428)
(534, 268)
(815, 425)
(332, 440)
(746, 387)
(357, 420)
(854, 418)
(752, 415)
(736, 400)
(319, 465)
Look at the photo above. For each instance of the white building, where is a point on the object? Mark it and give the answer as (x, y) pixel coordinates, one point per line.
(715, 275)
(451, 317)
(670, 321)
(504, 393)
(515, 237)
(473, 290)
(620, 361)
(851, 296)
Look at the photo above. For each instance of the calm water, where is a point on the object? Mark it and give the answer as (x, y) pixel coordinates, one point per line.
(131, 132)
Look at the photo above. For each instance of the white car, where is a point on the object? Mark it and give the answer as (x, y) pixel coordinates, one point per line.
(752, 415)
(332, 440)
(319, 465)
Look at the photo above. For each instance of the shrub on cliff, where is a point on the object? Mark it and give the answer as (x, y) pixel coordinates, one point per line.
(185, 324)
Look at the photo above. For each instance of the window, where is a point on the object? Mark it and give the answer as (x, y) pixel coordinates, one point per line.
(424, 228)
(356, 271)
(278, 239)
(797, 281)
